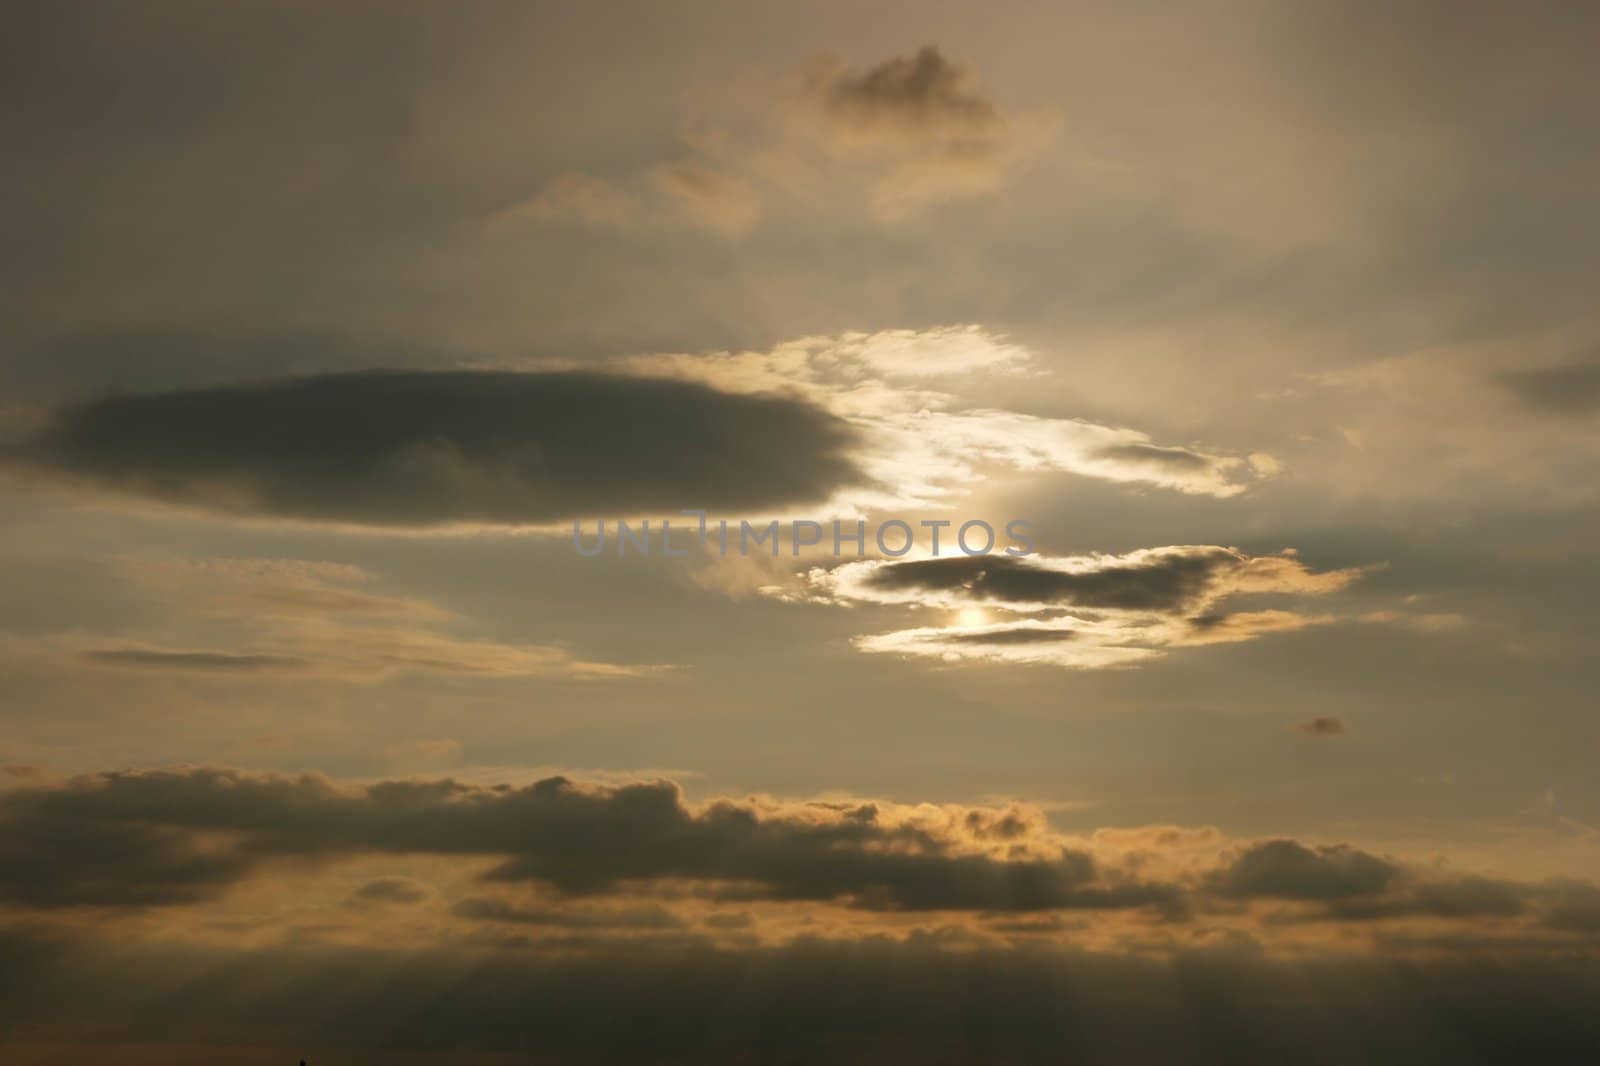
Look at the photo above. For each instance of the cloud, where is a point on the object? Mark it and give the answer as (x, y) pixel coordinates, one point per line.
(914, 131)
(843, 424)
(191, 661)
(415, 449)
(1464, 898)
(1069, 645)
(1573, 906)
(577, 196)
(722, 202)
(298, 620)
(648, 917)
(1088, 612)
(651, 860)
(689, 191)
(347, 653)
(1287, 869)
(1559, 390)
(923, 121)
(868, 856)
(920, 445)
(1151, 579)
(1230, 628)
(1323, 726)
(390, 890)
(923, 93)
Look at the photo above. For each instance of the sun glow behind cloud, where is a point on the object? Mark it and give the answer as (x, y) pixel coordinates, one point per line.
(922, 444)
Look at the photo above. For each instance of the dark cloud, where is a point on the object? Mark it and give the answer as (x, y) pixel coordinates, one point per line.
(578, 840)
(200, 661)
(390, 890)
(922, 120)
(1178, 460)
(1021, 634)
(642, 918)
(1467, 897)
(397, 448)
(1090, 611)
(925, 92)
(1163, 581)
(1287, 869)
(53, 859)
(1323, 726)
(174, 838)
(1563, 390)
(1573, 906)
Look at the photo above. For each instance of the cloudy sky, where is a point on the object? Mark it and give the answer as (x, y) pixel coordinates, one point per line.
(1264, 335)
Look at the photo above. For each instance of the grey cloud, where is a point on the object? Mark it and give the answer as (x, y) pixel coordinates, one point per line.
(581, 841)
(923, 92)
(1466, 897)
(1323, 726)
(643, 918)
(1287, 869)
(390, 890)
(180, 837)
(1161, 582)
(419, 449)
(176, 838)
(1180, 460)
(1090, 611)
(56, 860)
(923, 121)
(1573, 906)
(1020, 634)
(1562, 390)
(199, 661)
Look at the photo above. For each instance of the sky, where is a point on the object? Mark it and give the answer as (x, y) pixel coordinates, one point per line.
(1261, 338)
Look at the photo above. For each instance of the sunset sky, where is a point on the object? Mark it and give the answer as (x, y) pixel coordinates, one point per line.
(1273, 324)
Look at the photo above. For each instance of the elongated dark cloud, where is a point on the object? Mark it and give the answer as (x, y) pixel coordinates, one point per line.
(1164, 580)
(646, 917)
(1001, 636)
(1176, 460)
(578, 840)
(390, 890)
(423, 449)
(201, 661)
(1158, 582)
(1563, 390)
